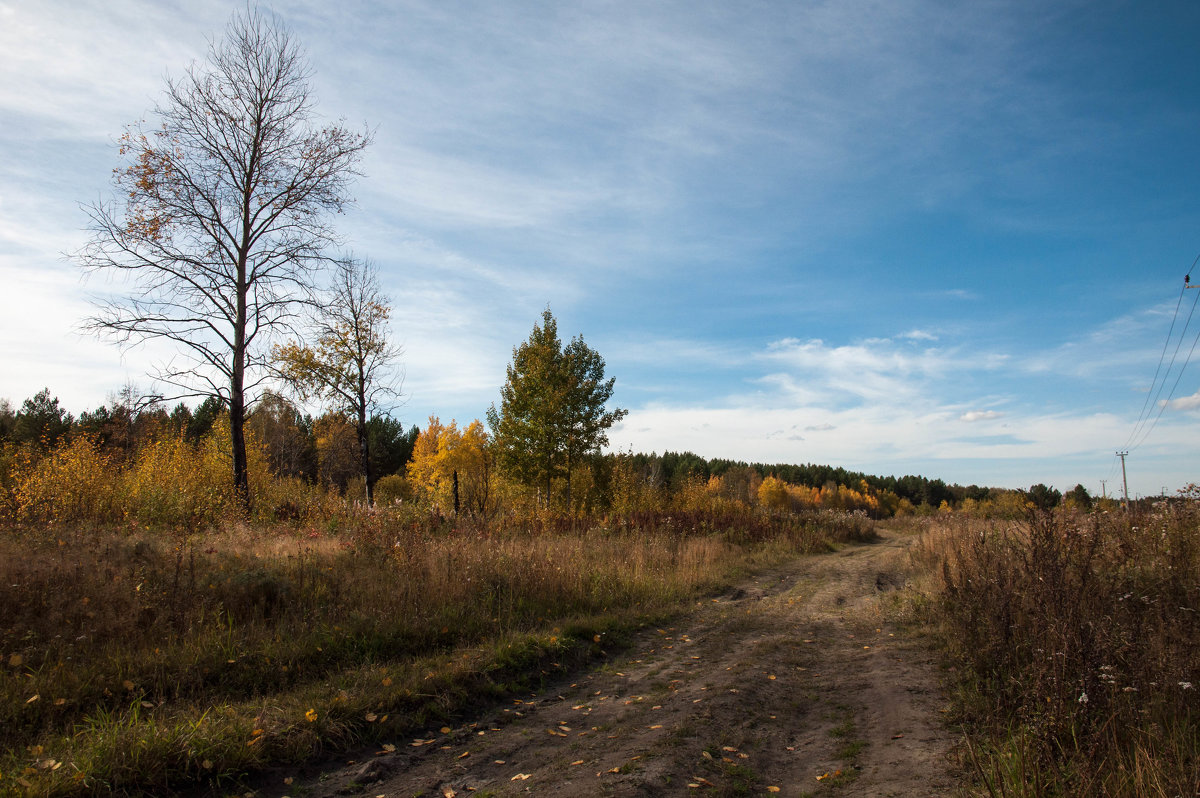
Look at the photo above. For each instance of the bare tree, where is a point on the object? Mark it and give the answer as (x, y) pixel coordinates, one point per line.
(351, 365)
(222, 216)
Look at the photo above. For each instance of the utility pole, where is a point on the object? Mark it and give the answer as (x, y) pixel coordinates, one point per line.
(1103, 489)
(1124, 481)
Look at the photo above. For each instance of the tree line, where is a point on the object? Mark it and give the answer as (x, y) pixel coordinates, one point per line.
(321, 450)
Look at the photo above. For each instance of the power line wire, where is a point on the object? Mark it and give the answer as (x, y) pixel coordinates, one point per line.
(1163, 405)
(1162, 356)
(1140, 429)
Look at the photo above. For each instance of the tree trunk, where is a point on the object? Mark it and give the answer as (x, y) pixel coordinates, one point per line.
(237, 397)
(364, 456)
(237, 432)
(568, 465)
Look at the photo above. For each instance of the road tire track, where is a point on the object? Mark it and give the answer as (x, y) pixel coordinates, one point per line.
(793, 684)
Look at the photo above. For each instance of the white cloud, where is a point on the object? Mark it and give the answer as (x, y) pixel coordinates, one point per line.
(874, 370)
(980, 415)
(1186, 402)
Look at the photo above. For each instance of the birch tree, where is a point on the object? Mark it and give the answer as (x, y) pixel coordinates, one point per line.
(351, 364)
(222, 216)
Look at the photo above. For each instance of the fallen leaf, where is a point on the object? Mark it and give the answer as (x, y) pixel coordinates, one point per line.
(448, 792)
(464, 755)
(371, 717)
(15, 661)
(577, 762)
(772, 789)
(446, 730)
(520, 777)
(389, 747)
(33, 698)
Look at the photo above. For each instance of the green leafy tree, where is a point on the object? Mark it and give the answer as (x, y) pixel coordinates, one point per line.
(1043, 497)
(391, 446)
(8, 420)
(1079, 498)
(552, 411)
(201, 422)
(222, 218)
(41, 420)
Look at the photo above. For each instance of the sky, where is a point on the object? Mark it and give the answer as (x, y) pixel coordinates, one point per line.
(922, 237)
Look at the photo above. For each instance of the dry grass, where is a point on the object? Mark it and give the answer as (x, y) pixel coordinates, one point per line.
(139, 661)
(1079, 636)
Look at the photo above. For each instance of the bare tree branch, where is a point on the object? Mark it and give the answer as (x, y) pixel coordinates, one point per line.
(221, 216)
(351, 365)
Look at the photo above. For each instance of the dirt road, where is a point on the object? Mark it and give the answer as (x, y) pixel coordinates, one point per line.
(794, 684)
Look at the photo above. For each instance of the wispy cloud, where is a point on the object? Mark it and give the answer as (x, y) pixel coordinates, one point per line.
(972, 416)
(873, 370)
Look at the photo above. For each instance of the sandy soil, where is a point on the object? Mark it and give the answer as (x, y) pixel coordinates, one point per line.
(793, 684)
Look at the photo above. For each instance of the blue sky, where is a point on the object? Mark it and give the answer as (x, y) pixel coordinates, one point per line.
(898, 237)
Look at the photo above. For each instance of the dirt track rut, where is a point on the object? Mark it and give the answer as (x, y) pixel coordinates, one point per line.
(793, 684)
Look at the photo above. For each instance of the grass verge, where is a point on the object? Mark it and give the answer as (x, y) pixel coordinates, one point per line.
(145, 663)
(1075, 640)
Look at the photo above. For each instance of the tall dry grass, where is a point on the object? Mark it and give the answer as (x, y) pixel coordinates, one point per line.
(135, 659)
(1080, 634)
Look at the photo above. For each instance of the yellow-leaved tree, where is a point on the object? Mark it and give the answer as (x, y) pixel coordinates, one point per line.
(350, 365)
(453, 467)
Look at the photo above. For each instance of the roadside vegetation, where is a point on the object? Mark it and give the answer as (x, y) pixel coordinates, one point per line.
(189, 594)
(1075, 635)
(156, 635)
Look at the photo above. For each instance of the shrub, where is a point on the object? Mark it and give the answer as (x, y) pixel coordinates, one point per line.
(1080, 631)
(76, 481)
